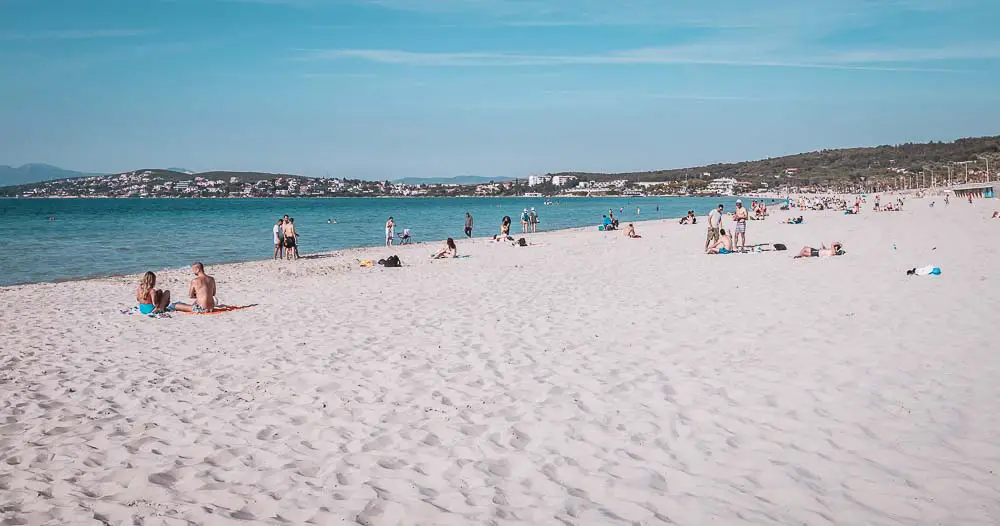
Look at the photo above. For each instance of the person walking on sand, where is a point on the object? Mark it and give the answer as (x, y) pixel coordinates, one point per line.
(741, 217)
(468, 224)
(288, 230)
(390, 231)
(279, 251)
(201, 290)
(533, 220)
(714, 224)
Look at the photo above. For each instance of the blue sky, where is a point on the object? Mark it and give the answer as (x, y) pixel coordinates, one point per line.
(394, 88)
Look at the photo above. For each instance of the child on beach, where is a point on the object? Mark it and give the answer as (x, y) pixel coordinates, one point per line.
(149, 298)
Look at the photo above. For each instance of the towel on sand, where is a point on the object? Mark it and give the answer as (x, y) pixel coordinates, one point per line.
(134, 311)
(219, 309)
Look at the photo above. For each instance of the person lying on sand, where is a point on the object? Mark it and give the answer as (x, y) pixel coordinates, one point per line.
(630, 232)
(793, 221)
(202, 290)
(150, 299)
(996, 214)
(724, 245)
(837, 249)
(449, 250)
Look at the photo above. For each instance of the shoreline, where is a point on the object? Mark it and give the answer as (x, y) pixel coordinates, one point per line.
(340, 252)
(322, 254)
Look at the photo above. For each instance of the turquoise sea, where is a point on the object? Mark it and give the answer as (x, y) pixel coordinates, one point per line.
(100, 237)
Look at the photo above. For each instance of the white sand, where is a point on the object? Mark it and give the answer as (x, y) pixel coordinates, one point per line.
(590, 379)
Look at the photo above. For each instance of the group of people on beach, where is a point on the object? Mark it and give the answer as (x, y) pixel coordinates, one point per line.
(718, 241)
(201, 291)
(285, 238)
(529, 221)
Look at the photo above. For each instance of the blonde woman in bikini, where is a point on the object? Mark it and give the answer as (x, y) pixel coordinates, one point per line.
(149, 298)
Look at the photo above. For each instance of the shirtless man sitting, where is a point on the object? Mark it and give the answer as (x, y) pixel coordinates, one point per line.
(724, 245)
(202, 290)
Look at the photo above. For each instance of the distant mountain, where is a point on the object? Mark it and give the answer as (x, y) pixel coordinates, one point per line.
(33, 173)
(461, 179)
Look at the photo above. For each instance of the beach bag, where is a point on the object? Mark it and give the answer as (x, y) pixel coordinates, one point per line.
(391, 261)
(522, 242)
(779, 246)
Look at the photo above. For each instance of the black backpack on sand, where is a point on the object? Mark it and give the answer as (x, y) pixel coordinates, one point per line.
(391, 261)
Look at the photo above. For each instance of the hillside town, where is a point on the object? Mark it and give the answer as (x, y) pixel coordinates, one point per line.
(171, 184)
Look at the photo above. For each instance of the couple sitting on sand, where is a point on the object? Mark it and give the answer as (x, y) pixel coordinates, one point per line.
(689, 219)
(153, 301)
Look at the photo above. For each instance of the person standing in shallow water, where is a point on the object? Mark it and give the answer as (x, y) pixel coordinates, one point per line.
(279, 241)
(468, 224)
(533, 220)
(289, 238)
(390, 231)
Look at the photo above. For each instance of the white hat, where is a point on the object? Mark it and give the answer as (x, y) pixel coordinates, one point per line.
(739, 201)
(532, 208)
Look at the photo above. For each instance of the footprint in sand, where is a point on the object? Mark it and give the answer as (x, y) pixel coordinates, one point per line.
(162, 479)
(268, 433)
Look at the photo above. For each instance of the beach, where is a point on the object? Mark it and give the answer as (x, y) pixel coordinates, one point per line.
(584, 379)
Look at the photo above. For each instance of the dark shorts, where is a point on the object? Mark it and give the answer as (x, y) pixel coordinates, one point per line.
(289, 242)
(813, 252)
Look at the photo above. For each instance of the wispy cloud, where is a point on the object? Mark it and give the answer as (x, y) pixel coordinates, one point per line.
(787, 14)
(74, 34)
(344, 76)
(705, 55)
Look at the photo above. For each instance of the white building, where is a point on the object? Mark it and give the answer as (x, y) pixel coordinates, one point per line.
(722, 186)
(535, 180)
(563, 180)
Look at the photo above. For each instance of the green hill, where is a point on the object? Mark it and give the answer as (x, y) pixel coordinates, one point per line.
(831, 166)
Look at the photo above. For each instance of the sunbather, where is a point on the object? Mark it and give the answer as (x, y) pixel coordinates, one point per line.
(150, 299)
(630, 231)
(836, 249)
(449, 250)
(724, 245)
(201, 291)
